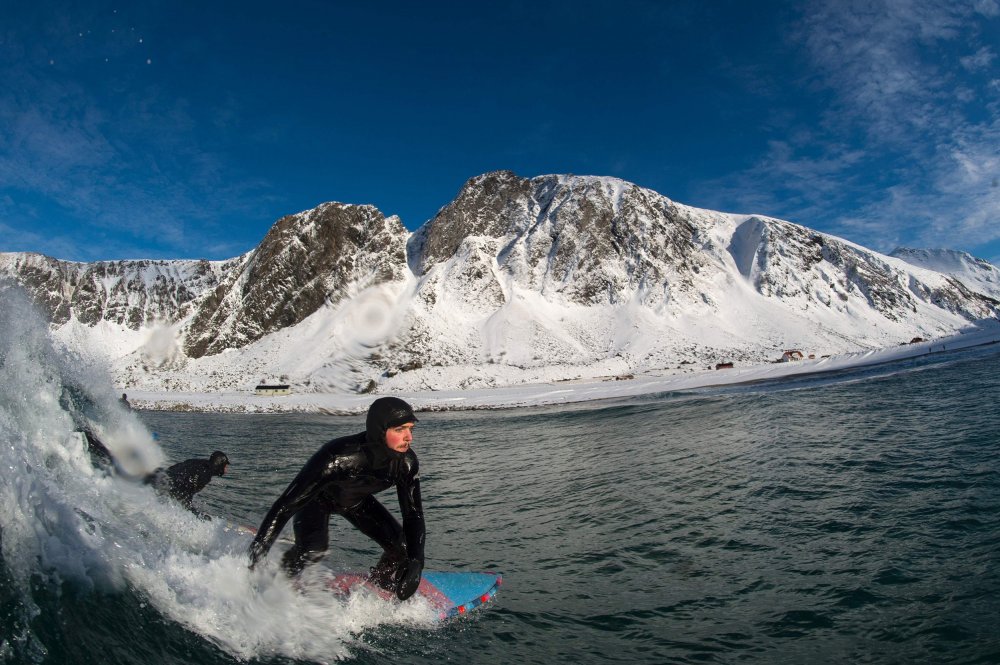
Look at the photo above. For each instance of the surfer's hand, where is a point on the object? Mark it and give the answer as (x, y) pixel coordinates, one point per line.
(255, 552)
(409, 578)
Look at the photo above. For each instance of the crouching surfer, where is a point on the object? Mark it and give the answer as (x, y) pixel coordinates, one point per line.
(185, 479)
(342, 477)
(180, 481)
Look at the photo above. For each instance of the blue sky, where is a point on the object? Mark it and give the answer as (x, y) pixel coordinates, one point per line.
(185, 130)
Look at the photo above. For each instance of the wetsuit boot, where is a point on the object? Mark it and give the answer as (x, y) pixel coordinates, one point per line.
(386, 572)
(296, 559)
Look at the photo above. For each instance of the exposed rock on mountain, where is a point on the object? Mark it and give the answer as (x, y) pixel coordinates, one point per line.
(589, 240)
(304, 261)
(974, 274)
(794, 263)
(132, 294)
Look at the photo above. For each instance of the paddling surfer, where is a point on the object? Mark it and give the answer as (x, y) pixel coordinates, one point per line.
(342, 477)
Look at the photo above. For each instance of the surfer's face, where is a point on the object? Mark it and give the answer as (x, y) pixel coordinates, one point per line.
(399, 438)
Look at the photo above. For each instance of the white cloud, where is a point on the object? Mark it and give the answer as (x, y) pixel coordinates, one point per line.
(990, 8)
(902, 78)
(879, 60)
(981, 59)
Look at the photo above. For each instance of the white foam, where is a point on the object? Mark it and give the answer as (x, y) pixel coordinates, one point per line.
(71, 522)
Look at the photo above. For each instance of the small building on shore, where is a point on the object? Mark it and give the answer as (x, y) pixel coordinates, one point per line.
(790, 355)
(273, 389)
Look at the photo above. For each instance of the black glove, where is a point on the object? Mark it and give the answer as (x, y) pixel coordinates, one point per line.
(255, 551)
(409, 578)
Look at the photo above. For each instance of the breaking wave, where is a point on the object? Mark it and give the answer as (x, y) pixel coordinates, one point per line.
(84, 544)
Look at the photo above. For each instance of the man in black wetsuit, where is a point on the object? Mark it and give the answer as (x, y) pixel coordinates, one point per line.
(342, 477)
(185, 479)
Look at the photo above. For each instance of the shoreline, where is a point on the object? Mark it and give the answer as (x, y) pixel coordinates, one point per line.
(558, 393)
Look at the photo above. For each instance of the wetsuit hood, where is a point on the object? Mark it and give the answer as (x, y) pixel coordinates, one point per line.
(385, 412)
(218, 462)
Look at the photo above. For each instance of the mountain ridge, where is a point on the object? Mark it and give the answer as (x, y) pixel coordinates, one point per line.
(517, 279)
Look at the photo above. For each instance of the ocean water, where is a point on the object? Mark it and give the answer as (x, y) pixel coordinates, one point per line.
(844, 518)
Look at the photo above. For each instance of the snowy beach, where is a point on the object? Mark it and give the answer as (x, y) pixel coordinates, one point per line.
(562, 392)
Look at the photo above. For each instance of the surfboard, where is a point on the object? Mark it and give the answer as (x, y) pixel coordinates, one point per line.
(244, 530)
(449, 593)
(241, 529)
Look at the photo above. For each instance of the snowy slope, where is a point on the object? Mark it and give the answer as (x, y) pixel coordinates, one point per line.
(975, 274)
(112, 307)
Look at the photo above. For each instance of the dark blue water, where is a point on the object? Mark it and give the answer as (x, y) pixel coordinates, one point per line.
(842, 518)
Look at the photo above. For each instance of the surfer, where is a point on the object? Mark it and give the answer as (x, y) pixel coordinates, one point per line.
(185, 479)
(180, 481)
(342, 477)
(99, 450)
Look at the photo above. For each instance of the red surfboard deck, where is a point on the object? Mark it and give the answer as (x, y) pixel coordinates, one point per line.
(449, 593)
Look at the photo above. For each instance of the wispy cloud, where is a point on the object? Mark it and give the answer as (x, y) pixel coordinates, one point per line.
(912, 125)
(100, 151)
(980, 60)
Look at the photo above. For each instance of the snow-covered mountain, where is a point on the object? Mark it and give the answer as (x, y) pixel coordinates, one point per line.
(543, 279)
(975, 274)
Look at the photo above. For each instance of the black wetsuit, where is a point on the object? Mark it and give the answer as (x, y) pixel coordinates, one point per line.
(342, 478)
(185, 479)
(97, 448)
